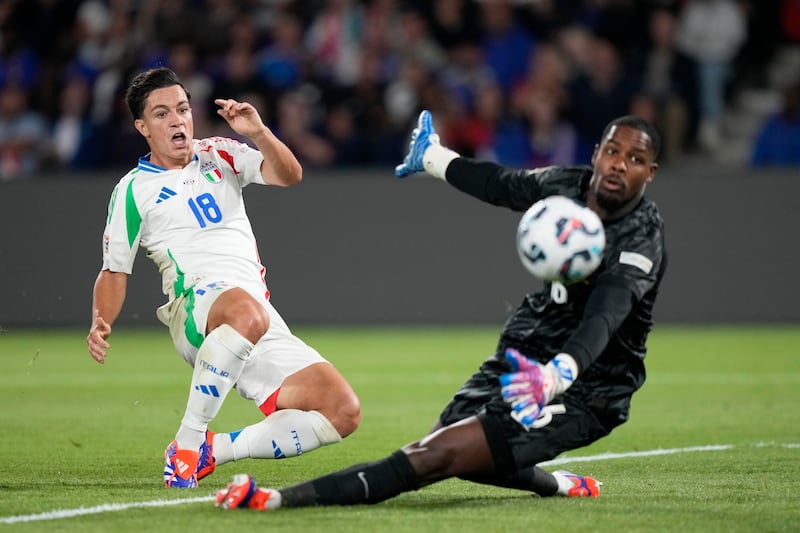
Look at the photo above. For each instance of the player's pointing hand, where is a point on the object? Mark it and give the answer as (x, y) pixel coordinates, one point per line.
(241, 116)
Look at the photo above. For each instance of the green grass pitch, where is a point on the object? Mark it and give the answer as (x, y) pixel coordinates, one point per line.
(81, 447)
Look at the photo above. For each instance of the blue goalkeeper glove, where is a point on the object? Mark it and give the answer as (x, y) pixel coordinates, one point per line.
(421, 138)
(533, 385)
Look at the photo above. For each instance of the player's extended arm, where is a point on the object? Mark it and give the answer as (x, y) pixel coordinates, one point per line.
(107, 300)
(533, 385)
(280, 166)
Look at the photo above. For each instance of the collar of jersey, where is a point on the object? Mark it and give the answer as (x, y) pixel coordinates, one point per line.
(147, 166)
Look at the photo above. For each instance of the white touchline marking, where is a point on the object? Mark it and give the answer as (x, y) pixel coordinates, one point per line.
(626, 455)
(105, 508)
(111, 507)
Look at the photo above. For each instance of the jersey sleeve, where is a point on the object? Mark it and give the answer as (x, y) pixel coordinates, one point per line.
(513, 188)
(123, 229)
(244, 160)
(635, 256)
(634, 265)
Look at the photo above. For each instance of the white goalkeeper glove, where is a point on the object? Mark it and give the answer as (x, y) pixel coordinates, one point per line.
(533, 385)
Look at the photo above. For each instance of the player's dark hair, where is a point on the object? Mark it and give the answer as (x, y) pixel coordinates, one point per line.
(148, 81)
(632, 121)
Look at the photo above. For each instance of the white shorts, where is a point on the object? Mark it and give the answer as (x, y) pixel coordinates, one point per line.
(276, 355)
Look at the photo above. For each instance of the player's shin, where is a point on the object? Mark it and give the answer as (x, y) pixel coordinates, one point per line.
(218, 366)
(532, 479)
(284, 433)
(364, 483)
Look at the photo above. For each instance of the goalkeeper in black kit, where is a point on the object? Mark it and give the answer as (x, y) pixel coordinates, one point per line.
(568, 360)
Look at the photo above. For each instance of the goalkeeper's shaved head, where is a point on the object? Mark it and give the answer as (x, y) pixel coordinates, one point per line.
(645, 126)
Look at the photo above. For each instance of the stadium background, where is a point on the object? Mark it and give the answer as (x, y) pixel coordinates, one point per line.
(369, 248)
(352, 244)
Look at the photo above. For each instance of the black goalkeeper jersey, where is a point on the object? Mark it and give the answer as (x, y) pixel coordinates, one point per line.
(603, 321)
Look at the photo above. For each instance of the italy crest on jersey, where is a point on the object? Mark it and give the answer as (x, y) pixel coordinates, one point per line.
(211, 172)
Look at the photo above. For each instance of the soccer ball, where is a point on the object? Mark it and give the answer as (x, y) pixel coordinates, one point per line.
(560, 239)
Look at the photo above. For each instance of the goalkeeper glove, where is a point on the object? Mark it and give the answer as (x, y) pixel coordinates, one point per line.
(425, 153)
(533, 385)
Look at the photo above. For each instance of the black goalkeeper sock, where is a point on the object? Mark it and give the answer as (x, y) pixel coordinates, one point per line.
(529, 479)
(543, 483)
(363, 483)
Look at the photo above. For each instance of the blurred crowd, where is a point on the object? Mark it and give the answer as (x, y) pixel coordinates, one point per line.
(526, 83)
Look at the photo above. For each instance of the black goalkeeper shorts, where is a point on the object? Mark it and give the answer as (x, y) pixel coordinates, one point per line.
(572, 420)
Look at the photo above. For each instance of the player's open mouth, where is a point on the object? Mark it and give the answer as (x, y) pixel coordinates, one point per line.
(179, 139)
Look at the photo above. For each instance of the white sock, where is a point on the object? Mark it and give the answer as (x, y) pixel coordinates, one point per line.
(564, 484)
(284, 433)
(436, 159)
(218, 366)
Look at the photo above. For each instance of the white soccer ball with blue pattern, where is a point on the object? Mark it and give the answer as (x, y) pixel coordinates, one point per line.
(560, 239)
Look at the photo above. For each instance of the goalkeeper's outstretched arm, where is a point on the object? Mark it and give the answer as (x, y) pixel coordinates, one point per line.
(485, 180)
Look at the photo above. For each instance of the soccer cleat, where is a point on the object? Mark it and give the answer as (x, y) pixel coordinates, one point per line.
(180, 467)
(238, 492)
(207, 462)
(421, 138)
(243, 493)
(582, 486)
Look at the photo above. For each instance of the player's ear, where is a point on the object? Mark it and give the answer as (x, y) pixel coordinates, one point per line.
(652, 173)
(141, 127)
(594, 154)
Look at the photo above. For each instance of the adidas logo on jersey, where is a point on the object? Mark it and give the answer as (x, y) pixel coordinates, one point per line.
(165, 194)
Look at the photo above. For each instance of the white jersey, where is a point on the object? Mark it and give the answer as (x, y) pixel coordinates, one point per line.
(191, 221)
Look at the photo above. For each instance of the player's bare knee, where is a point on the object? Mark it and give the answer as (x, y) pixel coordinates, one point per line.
(343, 411)
(255, 324)
(248, 318)
(348, 416)
(319, 387)
(241, 312)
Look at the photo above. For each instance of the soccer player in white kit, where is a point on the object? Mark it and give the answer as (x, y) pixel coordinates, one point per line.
(183, 204)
